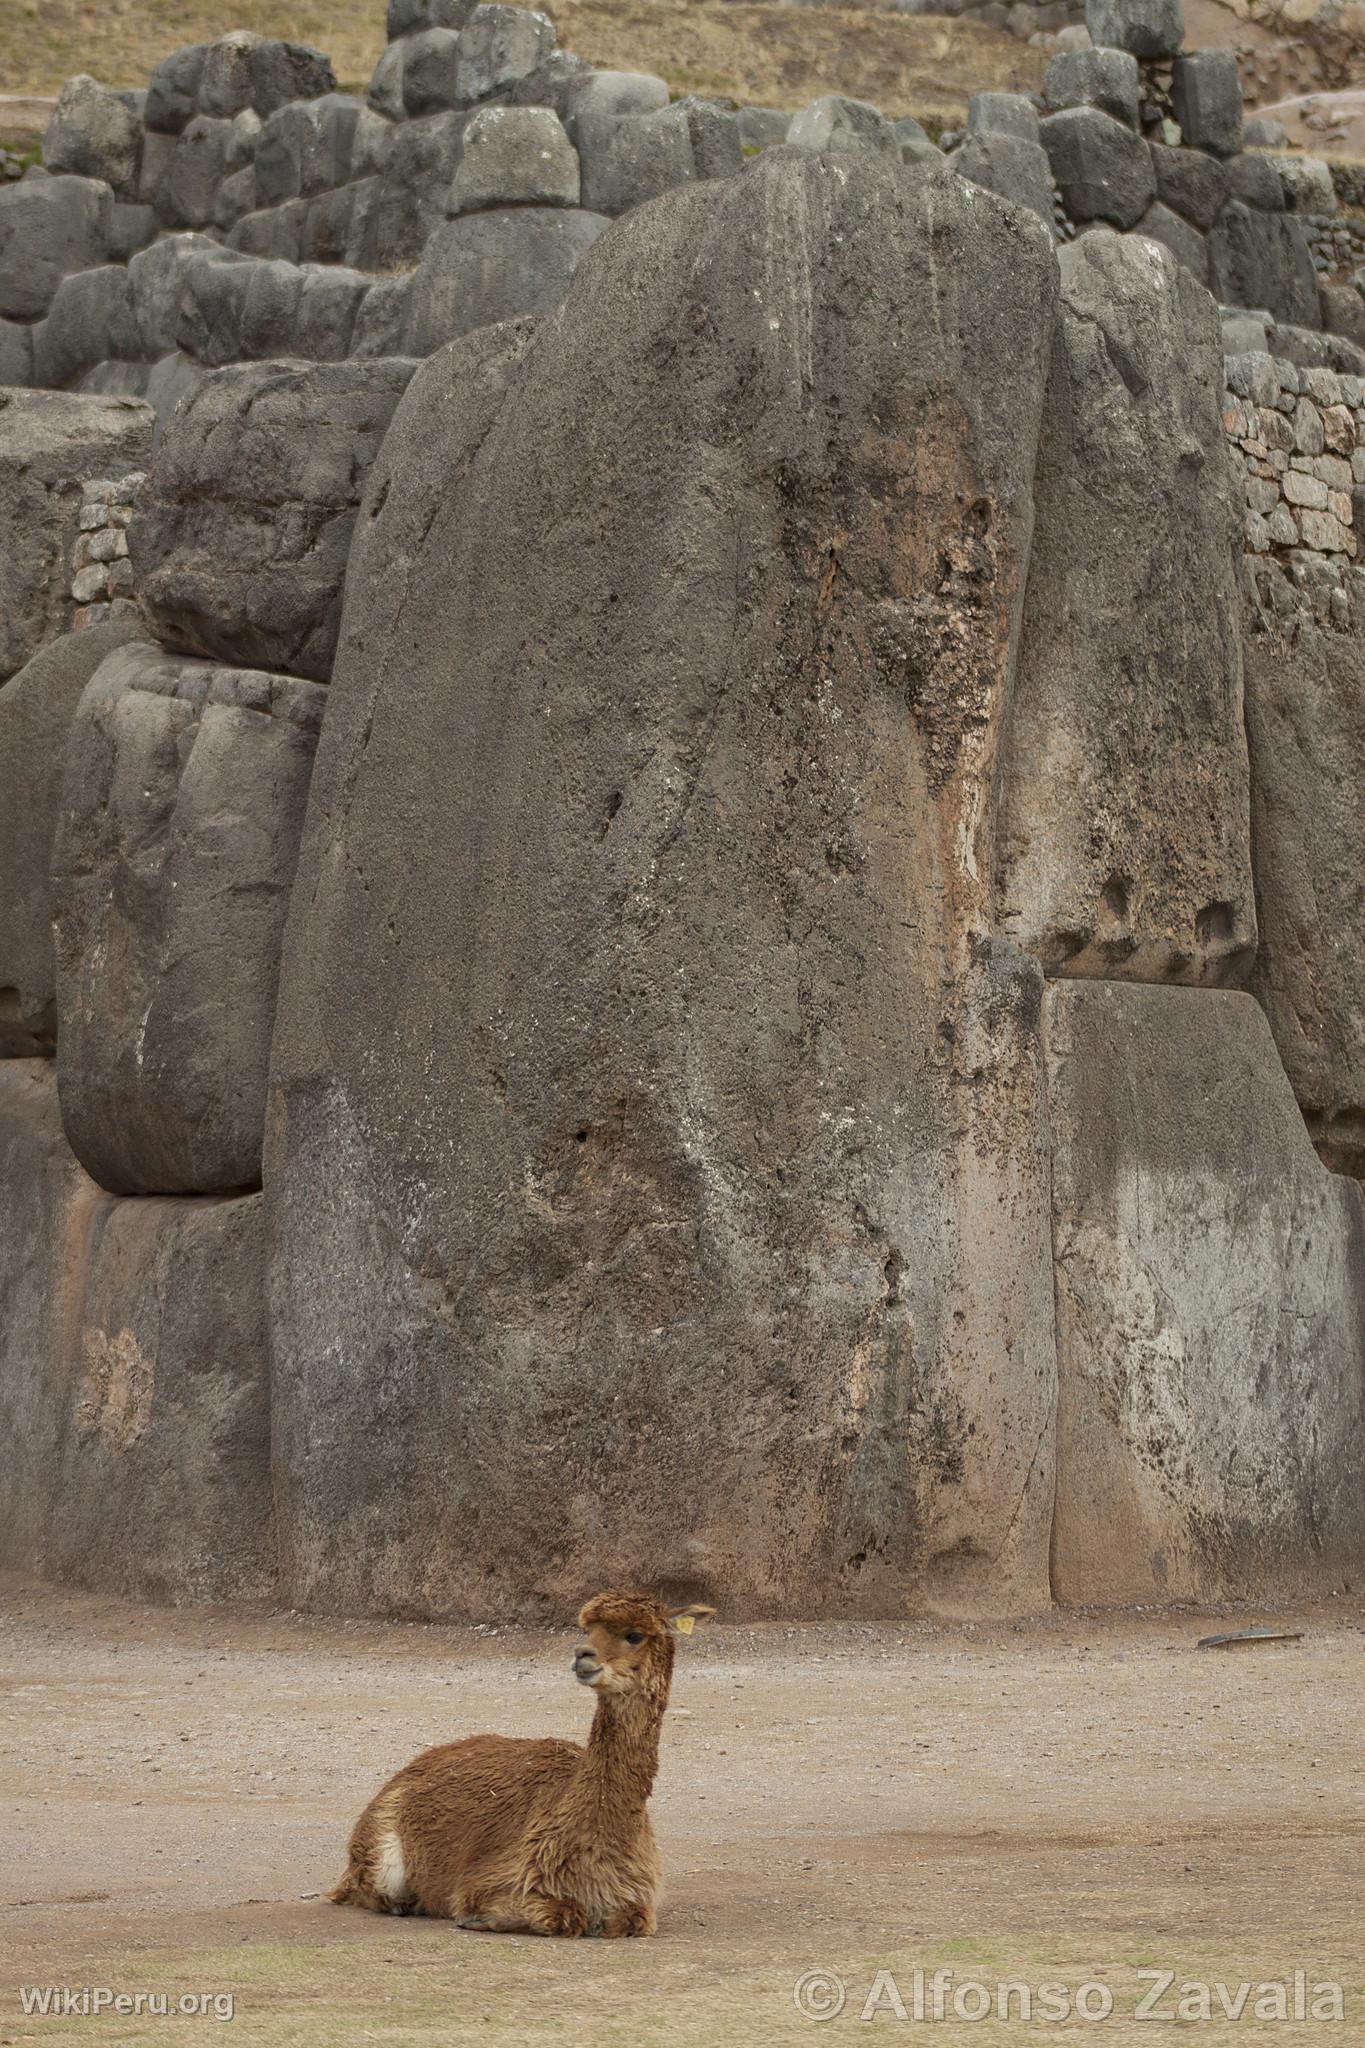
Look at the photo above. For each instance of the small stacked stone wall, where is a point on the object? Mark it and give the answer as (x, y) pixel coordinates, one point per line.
(102, 579)
(1297, 438)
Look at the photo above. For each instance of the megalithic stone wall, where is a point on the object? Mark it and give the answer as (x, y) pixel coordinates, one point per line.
(656, 1166)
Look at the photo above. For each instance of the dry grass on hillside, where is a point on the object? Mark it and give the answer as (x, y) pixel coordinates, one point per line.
(772, 55)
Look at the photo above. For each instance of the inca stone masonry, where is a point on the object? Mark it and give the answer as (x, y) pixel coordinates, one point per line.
(680, 840)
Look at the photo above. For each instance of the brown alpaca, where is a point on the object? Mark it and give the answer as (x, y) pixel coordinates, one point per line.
(540, 1836)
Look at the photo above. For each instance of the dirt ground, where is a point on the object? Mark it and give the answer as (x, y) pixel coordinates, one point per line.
(1072, 1801)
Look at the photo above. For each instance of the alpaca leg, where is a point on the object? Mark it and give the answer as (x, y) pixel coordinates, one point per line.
(517, 1912)
(636, 1919)
(355, 1889)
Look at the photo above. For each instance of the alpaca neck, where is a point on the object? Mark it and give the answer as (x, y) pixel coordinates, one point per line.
(621, 1759)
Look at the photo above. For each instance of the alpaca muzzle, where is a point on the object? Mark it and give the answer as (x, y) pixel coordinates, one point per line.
(586, 1667)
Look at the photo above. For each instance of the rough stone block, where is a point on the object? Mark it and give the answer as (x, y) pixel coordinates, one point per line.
(1263, 260)
(1107, 79)
(1210, 1304)
(131, 228)
(36, 710)
(1152, 30)
(1305, 711)
(234, 308)
(381, 324)
(1185, 243)
(1306, 182)
(328, 304)
(49, 227)
(90, 320)
(1002, 113)
(1103, 170)
(305, 147)
(385, 92)
(429, 63)
(488, 267)
(134, 1376)
(187, 195)
(499, 45)
(595, 93)
(1123, 844)
(173, 93)
(1256, 182)
(1190, 183)
(155, 276)
(282, 71)
(275, 232)
(16, 353)
(1207, 96)
(386, 229)
(662, 788)
(244, 525)
(51, 443)
(515, 156)
(93, 134)
(1008, 165)
(183, 800)
(842, 127)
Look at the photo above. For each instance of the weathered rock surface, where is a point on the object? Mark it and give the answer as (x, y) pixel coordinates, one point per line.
(245, 521)
(49, 227)
(1124, 841)
(1150, 29)
(182, 807)
(565, 1078)
(134, 1390)
(1010, 166)
(515, 156)
(1206, 94)
(36, 710)
(1103, 170)
(1263, 260)
(1210, 1308)
(50, 444)
(484, 268)
(1305, 708)
(94, 134)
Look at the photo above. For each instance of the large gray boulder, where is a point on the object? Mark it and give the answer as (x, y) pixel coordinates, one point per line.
(1210, 1309)
(36, 710)
(95, 134)
(49, 227)
(1107, 79)
(156, 277)
(173, 91)
(1009, 165)
(1305, 707)
(1190, 183)
(487, 267)
(91, 320)
(515, 156)
(183, 798)
(1185, 243)
(1150, 29)
(188, 193)
(835, 126)
(626, 159)
(1206, 94)
(47, 1204)
(52, 443)
(499, 45)
(244, 525)
(1264, 260)
(608, 1235)
(1103, 170)
(1124, 848)
(134, 1388)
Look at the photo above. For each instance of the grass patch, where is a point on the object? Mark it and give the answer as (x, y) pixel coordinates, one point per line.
(768, 55)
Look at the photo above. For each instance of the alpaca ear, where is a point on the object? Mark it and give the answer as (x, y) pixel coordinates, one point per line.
(685, 1619)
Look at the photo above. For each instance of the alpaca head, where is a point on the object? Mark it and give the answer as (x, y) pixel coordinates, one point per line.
(627, 1646)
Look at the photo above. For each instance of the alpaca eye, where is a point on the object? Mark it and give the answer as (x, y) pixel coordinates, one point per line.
(634, 1636)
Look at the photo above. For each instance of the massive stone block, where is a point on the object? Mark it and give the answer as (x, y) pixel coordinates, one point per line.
(245, 522)
(1124, 842)
(655, 1171)
(182, 807)
(36, 710)
(162, 1486)
(1210, 1308)
(1305, 702)
(47, 1203)
(94, 134)
(51, 443)
(134, 1393)
(1263, 260)
(483, 268)
(49, 227)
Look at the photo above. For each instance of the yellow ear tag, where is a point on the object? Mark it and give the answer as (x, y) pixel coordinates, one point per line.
(684, 1623)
